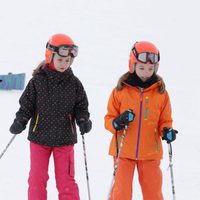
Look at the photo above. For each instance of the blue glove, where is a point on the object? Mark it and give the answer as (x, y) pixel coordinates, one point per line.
(123, 120)
(169, 134)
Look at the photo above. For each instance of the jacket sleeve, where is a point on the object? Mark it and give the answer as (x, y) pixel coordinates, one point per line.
(113, 111)
(27, 103)
(81, 105)
(166, 115)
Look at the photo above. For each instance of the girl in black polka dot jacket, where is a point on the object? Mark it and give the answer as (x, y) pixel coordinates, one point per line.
(53, 99)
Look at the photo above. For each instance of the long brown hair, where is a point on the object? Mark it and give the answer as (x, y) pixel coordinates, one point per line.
(123, 78)
(38, 68)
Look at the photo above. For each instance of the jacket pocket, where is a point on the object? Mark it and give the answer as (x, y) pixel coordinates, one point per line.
(156, 139)
(146, 108)
(36, 123)
(71, 123)
(71, 164)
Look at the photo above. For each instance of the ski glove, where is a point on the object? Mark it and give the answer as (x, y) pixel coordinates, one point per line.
(123, 120)
(17, 127)
(84, 126)
(169, 134)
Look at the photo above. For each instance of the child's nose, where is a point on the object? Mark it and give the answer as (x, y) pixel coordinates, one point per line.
(146, 73)
(64, 64)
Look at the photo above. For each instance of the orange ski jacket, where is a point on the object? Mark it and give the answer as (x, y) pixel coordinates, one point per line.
(143, 136)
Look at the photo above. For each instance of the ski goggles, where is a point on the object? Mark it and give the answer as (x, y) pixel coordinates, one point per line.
(64, 50)
(145, 57)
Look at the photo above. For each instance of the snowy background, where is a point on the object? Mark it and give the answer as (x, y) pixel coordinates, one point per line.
(105, 32)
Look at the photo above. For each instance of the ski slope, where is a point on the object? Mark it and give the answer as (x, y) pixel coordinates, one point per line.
(105, 32)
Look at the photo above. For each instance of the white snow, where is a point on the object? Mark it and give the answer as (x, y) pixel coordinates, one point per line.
(105, 32)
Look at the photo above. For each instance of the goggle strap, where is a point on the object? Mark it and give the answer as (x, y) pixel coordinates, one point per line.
(51, 47)
(54, 48)
(134, 51)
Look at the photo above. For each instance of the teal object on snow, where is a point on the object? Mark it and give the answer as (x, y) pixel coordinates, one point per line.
(12, 81)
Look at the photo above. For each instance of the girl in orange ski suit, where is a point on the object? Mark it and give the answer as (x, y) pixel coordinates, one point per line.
(142, 146)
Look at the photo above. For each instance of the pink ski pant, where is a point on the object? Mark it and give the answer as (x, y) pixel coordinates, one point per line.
(64, 172)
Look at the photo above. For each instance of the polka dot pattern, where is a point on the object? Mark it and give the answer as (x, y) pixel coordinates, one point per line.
(53, 100)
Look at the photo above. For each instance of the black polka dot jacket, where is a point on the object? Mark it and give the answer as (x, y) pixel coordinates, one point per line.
(53, 101)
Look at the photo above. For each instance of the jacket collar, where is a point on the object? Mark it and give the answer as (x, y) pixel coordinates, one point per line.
(56, 76)
(134, 81)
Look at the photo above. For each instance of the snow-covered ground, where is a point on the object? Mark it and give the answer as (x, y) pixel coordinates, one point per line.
(105, 32)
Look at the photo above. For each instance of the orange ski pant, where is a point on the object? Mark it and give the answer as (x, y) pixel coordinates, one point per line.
(150, 179)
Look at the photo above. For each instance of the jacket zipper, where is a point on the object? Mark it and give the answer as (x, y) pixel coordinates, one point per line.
(71, 125)
(155, 132)
(139, 123)
(36, 122)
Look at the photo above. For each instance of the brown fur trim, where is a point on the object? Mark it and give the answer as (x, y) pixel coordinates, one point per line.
(38, 68)
(120, 84)
(161, 88)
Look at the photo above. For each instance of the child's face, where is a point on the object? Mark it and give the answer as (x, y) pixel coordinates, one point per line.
(61, 63)
(144, 71)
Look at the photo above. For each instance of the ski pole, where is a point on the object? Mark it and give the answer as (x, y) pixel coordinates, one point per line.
(86, 167)
(171, 170)
(117, 161)
(13, 137)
